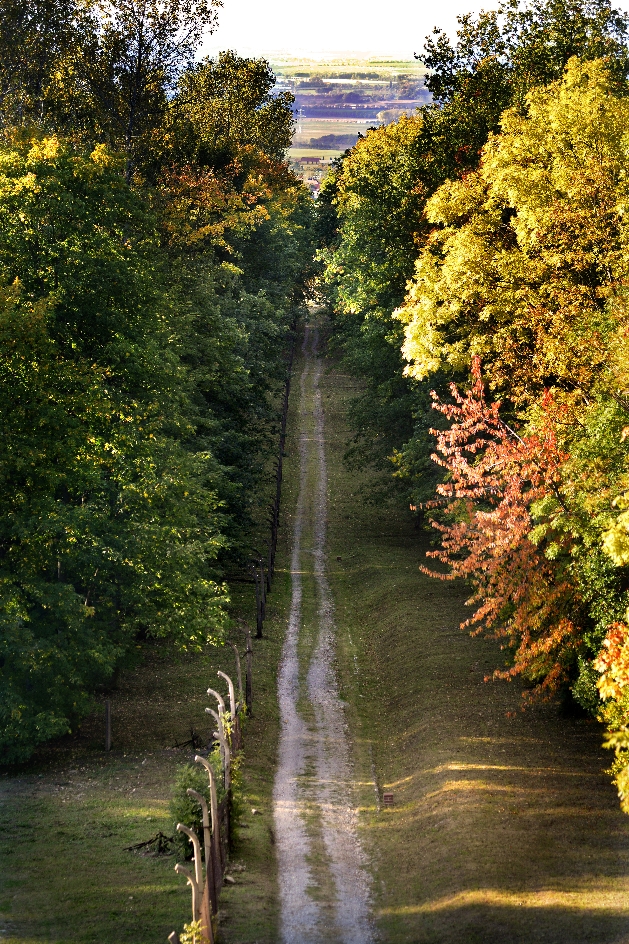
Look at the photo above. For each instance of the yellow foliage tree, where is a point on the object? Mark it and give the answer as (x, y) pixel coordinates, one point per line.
(528, 251)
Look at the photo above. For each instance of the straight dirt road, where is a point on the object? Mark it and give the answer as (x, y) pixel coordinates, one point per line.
(324, 888)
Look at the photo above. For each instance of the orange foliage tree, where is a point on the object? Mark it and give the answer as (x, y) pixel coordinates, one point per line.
(523, 595)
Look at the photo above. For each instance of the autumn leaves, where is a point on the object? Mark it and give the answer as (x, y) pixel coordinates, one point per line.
(519, 284)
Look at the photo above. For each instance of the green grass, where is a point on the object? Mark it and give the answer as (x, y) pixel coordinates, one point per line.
(504, 829)
(66, 818)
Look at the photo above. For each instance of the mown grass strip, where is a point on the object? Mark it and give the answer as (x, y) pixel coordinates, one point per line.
(503, 828)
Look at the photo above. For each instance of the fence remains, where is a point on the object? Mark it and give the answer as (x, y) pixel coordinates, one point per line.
(209, 862)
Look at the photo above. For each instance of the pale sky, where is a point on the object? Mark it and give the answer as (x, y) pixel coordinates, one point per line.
(382, 27)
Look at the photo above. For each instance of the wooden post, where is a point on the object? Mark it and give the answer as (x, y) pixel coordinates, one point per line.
(108, 725)
(182, 870)
(232, 694)
(210, 883)
(238, 671)
(234, 723)
(221, 740)
(260, 614)
(258, 604)
(220, 700)
(262, 589)
(207, 931)
(196, 858)
(216, 842)
(249, 675)
(220, 734)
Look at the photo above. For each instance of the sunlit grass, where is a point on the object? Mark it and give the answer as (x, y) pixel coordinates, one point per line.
(502, 829)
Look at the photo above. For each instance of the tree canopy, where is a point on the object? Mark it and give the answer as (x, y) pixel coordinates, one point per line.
(149, 283)
(491, 230)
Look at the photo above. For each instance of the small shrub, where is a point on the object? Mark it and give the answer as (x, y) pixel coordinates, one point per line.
(192, 934)
(185, 809)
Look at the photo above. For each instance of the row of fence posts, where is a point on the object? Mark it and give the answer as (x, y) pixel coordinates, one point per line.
(206, 879)
(262, 575)
(208, 866)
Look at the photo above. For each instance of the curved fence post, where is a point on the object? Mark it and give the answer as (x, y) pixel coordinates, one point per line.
(219, 698)
(182, 870)
(238, 671)
(218, 734)
(226, 755)
(216, 842)
(198, 868)
(232, 694)
(209, 891)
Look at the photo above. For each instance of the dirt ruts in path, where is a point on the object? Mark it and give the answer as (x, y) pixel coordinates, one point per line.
(324, 889)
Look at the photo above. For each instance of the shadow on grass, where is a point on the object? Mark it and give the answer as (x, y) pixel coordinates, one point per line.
(491, 916)
(505, 828)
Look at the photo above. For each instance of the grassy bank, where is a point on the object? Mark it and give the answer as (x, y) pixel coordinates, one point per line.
(503, 829)
(67, 818)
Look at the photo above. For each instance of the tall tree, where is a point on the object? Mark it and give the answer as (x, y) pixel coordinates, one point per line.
(130, 67)
(226, 105)
(500, 55)
(35, 39)
(496, 58)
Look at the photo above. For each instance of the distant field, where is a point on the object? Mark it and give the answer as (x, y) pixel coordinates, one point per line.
(313, 127)
(318, 127)
(296, 152)
(364, 69)
(345, 121)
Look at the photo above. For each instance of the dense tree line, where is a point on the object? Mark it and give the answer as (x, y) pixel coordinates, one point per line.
(476, 260)
(154, 249)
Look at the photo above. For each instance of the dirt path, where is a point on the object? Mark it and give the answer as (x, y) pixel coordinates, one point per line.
(324, 889)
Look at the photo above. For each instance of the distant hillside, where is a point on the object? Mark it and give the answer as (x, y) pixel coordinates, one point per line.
(336, 89)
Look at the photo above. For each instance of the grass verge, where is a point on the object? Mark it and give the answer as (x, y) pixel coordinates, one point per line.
(67, 818)
(503, 829)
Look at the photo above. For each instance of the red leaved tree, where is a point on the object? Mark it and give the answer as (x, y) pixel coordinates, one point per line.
(521, 596)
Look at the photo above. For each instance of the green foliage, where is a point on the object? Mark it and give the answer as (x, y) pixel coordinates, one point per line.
(502, 54)
(192, 934)
(520, 270)
(226, 105)
(378, 198)
(36, 38)
(508, 195)
(381, 189)
(585, 690)
(144, 323)
(110, 525)
(185, 809)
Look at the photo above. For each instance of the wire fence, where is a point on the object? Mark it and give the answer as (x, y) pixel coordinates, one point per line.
(210, 853)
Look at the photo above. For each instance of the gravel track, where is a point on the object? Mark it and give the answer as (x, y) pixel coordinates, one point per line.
(314, 779)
